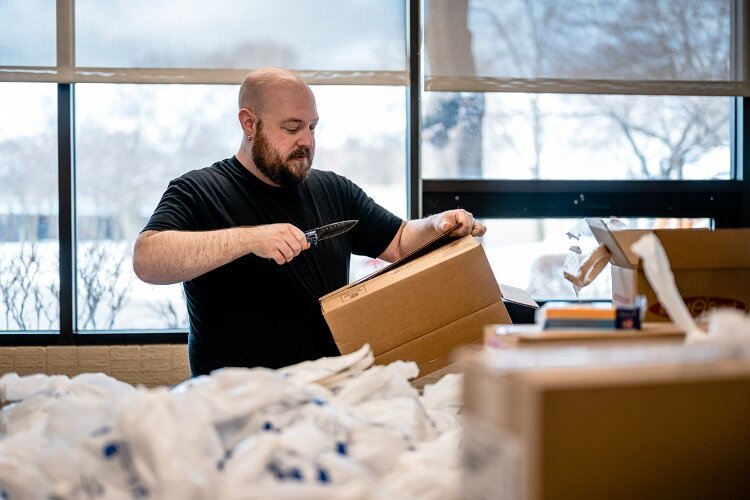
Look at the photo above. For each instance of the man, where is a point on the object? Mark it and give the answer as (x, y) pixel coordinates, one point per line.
(233, 234)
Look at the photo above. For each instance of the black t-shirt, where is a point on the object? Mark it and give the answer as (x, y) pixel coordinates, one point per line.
(252, 311)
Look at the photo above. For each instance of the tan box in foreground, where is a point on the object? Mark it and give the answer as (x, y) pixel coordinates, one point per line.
(512, 336)
(664, 430)
(423, 307)
(532, 336)
(711, 268)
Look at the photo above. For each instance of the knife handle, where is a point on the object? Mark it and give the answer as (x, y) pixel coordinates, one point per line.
(312, 237)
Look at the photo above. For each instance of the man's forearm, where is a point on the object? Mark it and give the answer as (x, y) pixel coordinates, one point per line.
(417, 232)
(165, 257)
(410, 236)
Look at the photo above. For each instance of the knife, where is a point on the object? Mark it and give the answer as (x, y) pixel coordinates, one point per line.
(328, 231)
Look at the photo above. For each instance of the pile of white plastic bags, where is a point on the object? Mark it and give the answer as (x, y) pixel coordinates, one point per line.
(334, 428)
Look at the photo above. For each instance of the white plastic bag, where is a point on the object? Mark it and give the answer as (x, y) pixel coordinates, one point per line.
(327, 371)
(175, 448)
(298, 462)
(379, 382)
(430, 472)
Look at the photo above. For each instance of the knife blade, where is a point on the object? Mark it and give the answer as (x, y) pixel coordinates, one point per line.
(328, 231)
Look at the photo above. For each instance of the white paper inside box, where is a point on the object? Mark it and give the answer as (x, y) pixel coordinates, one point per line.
(411, 299)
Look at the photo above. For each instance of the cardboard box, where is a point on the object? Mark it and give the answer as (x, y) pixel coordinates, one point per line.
(669, 429)
(526, 336)
(513, 336)
(455, 367)
(711, 268)
(423, 306)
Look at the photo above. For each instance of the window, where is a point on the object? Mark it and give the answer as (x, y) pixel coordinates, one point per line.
(27, 33)
(131, 141)
(599, 49)
(530, 113)
(152, 95)
(128, 149)
(323, 35)
(540, 109)
(29, 273)
(563, 136)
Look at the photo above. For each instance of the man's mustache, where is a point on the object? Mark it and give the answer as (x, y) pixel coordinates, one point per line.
(301, 152)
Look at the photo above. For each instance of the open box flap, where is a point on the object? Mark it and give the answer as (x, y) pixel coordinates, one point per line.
(517, 296)
(433, 244)
(695, 248)
(618, 247)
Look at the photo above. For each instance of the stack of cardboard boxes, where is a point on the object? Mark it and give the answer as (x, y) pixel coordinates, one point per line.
(613, 414)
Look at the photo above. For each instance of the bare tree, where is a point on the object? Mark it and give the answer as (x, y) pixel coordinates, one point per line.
(100, 274)
(30, 302)
(590, 39)
(167, 309)
(52, 309)
(23, 272)
(691, 129)
(25, 297)
(668, 41)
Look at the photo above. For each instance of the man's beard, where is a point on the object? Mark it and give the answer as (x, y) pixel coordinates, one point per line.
(289, 172)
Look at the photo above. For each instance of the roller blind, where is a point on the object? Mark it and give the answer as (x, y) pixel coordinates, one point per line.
(648, 47)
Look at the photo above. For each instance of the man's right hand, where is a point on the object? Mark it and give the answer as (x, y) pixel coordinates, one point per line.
(280, 242)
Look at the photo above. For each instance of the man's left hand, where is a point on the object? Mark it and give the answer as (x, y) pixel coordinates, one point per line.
(465, 220)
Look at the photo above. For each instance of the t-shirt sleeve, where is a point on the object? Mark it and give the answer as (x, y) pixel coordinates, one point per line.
(176, 209)
(376, 227)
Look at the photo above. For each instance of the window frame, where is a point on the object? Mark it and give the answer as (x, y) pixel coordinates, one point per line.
(726, 201)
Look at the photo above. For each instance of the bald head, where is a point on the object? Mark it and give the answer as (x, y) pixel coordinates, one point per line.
(258, 84)
(278, 116)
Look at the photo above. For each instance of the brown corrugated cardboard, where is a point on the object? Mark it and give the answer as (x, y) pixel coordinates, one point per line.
(434, 349)
(420, 308)
(657, 430)
(511, 336)
(711, 268)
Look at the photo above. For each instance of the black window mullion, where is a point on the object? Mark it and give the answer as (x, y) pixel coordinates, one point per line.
(66, 195)
(740, 132)
(743, 163)
(720, 200)
(414, 109)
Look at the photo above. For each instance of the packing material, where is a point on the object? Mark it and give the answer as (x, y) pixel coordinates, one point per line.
(711, 268)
